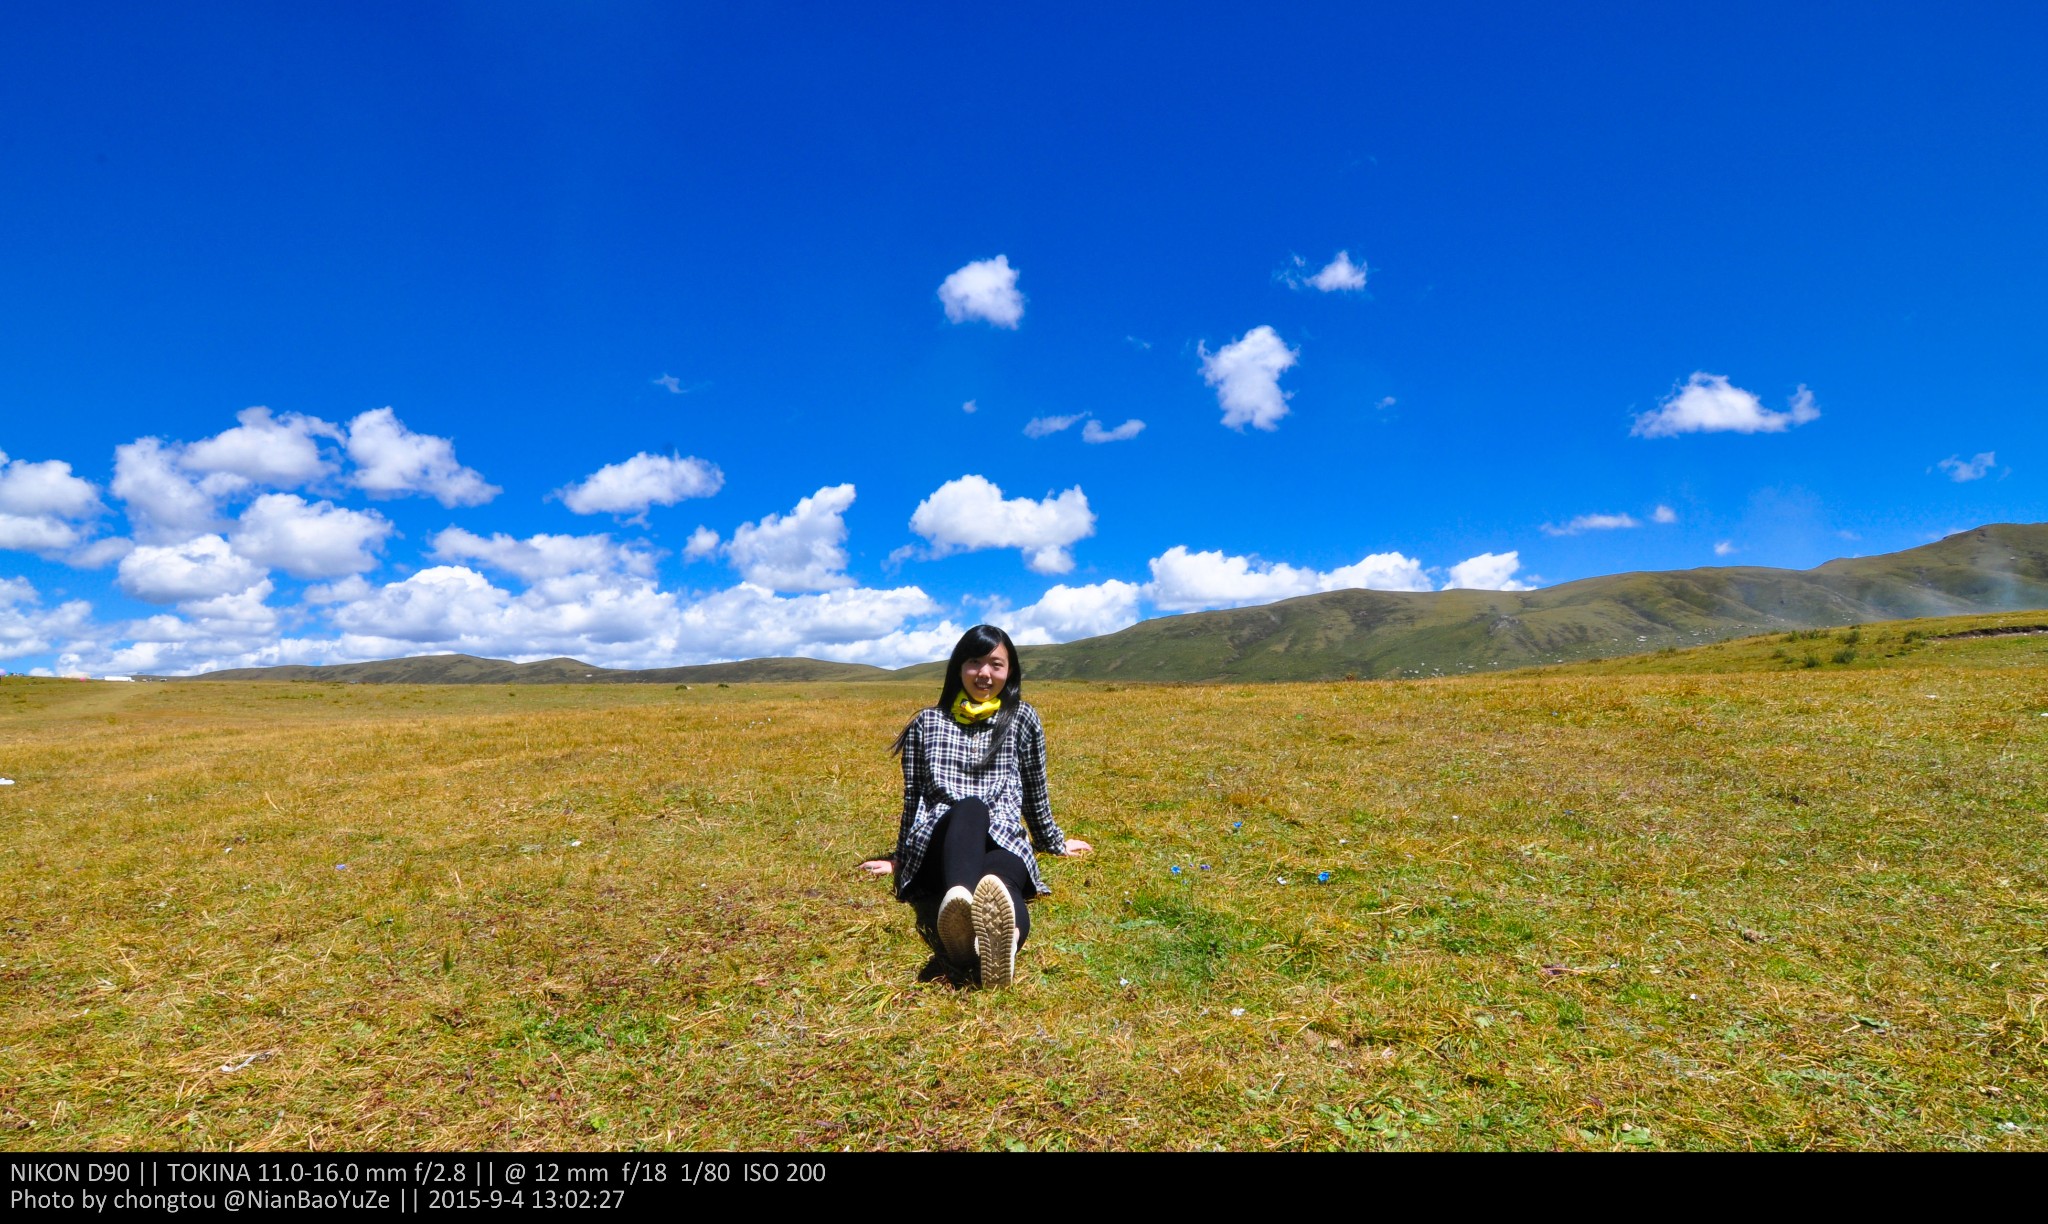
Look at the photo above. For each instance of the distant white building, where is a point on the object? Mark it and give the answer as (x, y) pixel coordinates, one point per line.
(120, 679)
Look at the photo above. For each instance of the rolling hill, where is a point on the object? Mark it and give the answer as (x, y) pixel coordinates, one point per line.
(1372, 634)
(1378, 634)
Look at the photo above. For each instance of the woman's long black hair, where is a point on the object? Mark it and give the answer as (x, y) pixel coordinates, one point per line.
(976, 642)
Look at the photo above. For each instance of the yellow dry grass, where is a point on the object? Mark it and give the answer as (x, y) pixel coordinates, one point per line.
(1776, 909)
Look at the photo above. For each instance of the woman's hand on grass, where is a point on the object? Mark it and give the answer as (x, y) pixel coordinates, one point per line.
(879, 866)
(1076, 847)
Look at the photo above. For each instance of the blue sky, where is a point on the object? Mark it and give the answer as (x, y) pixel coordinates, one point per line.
(646, 333)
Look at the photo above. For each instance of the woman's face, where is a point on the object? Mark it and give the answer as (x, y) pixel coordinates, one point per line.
(984, 677)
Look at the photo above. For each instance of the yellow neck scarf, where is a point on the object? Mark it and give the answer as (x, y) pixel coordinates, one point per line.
(967, 713)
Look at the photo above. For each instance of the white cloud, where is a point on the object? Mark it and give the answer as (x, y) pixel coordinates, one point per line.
(26, 628)
(857, 625)
(1094, 432)
(645, 480)
(670, 383)
(1960, 470)
(1664, 514)
(970, 513)
(241, 612)
(986, 290)
(1040, 427)
(277, 451)
(968, 407)
(197, 569)
(798, 551)
(703, 543)
(538, 558)
(1386, 402)
(37, 533)
(165, 505)
(1065, 613)
(1725, 548)
(1593, 522)
(1487, 572)
(101, 553)
(1184, 581)
(347, 590)
(630, 623)
(1246, 374)
(322, 540)
(442, 604)
(393, 461)
(1709, 403)
(45, 489)
(1339, 275)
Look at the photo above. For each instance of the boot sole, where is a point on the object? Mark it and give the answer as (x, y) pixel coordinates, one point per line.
(995, 932)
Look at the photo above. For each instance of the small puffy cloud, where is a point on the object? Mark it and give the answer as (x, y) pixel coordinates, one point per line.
(347, 590)
(1664, 514)
(45, 489)
(798, 551)
(631, 487)
(1246, 374)
(1065, 613)
(1593, 522)
(985, 290)
(101, 553)
(1709, 403)
(441, 604)
(1386, 402)
(318, 540)
(970, 513)
(393, 461)
(196, 569)
(968, 407)
(280, 451)
(703, 543)
(1046, 426)
(27, 628)
(1487, 572)
(1725, 548)
(1094, 432)
(1184, 581)
(670, 383)
(1340, 275)
(1975, 468)
(243, 612)
(541, 557)
(37, 533)
(163, 503)
(1378, 572)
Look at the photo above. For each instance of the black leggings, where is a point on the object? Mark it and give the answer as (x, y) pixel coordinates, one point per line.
(960, 853)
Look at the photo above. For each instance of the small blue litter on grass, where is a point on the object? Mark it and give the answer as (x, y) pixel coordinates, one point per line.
(1235, 825)
(1322, 877)
(1175, 869)
(1205, 866)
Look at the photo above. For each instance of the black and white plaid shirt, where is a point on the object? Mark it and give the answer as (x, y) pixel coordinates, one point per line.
(942, 765)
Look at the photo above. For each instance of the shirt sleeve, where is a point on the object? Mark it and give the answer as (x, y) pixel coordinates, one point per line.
(1045, 832)
(913, 756)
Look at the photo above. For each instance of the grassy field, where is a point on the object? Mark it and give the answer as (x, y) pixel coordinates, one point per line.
(1716, 899)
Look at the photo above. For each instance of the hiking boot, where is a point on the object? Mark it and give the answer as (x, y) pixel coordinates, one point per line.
(956, 926)
(995, 931)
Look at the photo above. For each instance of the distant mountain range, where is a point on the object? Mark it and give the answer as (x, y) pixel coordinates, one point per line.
(1374, 634)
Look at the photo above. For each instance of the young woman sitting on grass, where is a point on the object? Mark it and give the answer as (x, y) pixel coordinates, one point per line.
(973, 780)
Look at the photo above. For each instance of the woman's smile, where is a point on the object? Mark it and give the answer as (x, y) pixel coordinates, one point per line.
(985, 676)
